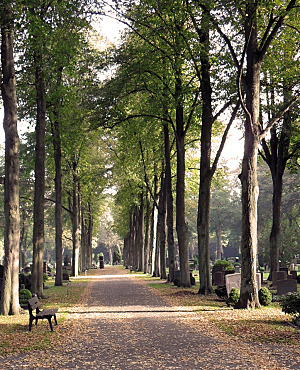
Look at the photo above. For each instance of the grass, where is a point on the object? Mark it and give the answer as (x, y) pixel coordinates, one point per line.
(268, 324)
(15, 337)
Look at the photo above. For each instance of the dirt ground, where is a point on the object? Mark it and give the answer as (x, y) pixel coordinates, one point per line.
(123, 324)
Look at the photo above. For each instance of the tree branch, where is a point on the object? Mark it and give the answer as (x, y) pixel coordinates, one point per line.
(224, 137)
(278, 116)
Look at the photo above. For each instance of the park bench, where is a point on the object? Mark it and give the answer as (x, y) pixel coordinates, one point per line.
(34, 304)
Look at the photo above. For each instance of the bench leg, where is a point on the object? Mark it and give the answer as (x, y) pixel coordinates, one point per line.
(50, 323)
(30, 323)
(55, 319)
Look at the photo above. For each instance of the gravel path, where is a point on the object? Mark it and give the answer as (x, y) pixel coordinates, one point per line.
(123, 325)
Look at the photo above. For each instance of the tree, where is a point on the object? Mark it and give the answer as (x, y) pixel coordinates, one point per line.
(163, 29)
(251, 19)
(10, 290)
(209, 124)
(281, 149)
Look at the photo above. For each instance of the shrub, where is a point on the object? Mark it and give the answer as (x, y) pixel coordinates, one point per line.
(291, 305)
(24, 295)
(221, 291)
(234, 297)
(45, 277)
(265, 296)
(26, 280)
(227, 266)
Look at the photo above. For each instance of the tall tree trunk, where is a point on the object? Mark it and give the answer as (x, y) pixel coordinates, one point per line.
(181, 227)
(141, 233)
(169, 201)
(75, 223)
(153, 229)
(147, 234)
(135, 240)
(58, 199)
(10, 286)
(90, 237)
(276, 156)
(161, 227)
(248, 177)
(83, 240)
(39, 188)
(205, 167)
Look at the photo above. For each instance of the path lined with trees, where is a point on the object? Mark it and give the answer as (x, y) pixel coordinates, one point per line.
(122, 129)
(123, 325)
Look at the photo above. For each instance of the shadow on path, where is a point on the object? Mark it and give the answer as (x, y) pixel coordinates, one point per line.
(124, 325)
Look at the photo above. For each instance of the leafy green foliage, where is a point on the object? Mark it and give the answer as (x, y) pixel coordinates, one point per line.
(234, 297)
(264, 296)
(24, 296)
(291, 305)
(226, 265)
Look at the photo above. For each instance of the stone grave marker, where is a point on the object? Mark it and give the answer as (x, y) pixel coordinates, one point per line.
(286, 286)
(278, 275)
(293, 275)
(234, 281)
(286, 269)
(218, 278)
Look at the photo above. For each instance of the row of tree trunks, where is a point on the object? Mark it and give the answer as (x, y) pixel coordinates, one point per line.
(145, 247)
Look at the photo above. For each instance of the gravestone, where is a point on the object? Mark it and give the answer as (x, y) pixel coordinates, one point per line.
(237, 268)
(293, 275)
(67, 261)
(101, 262)
(66, 276)
(286, 286)
(218, 278)
(217, 268)
(278, 275)
(234, 281)
(284, 269)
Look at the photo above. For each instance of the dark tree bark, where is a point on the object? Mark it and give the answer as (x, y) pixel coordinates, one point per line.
(276, 156)
(141, 233)
(248, 177)
(161, 228)
(206, 172)
(90, 236)
(169, 202)
(181, 227)
(75, 221)
(10, 287)
(55, 126)
(39, 188)
(135, 239)
(147, 235)
(83, 240)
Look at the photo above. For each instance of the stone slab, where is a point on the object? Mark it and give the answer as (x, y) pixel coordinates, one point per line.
(234, 281)
(218, 278)
(286, 286)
